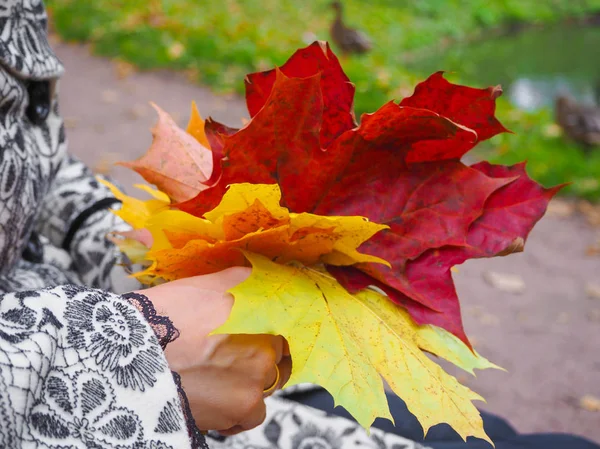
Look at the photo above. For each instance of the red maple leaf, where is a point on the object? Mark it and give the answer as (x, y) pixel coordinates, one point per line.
(507, 218)
(400, 167)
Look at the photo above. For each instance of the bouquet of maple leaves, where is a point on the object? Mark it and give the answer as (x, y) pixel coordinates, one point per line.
(351, 230)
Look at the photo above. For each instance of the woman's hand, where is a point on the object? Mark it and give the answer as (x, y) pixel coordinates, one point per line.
(224, 376)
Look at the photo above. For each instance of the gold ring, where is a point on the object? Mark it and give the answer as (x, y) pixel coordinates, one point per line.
(273, 387)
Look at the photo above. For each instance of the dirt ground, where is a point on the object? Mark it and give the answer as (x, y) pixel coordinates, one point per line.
(543, 326)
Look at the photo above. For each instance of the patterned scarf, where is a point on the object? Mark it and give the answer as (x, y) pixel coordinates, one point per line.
(32, 139)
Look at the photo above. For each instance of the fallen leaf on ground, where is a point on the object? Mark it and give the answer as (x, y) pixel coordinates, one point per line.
(176, 50)
(590, 403)
(71, 122)
(137, 111)
(308, 37)
(594, 315)
(593, 250)
(54, 39)
(510, 283)
(110, 96)
(592, 290)
(489, 319)
(123, 69)
(106, 162)
(475, 311)
(552, 130)
(591, 212)
(560, 208)
(522, 316)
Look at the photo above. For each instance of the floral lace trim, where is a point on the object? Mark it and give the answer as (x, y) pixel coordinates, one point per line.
(162, 326)
(166, 332)
(196, 437)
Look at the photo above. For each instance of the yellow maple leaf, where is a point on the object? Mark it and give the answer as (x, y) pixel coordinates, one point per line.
(442, 343)
(132, 244)
(137, 212)
(347, 343)
(249, 218)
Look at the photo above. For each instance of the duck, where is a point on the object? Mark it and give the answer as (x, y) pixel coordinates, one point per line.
(581, 123)
(349, 40)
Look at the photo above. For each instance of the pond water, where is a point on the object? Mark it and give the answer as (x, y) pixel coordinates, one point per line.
(533, 66)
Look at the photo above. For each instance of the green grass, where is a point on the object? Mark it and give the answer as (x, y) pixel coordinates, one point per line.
(220, 42)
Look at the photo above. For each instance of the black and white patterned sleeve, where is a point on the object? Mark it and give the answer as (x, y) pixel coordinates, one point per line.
(75, 216)
(83, 368)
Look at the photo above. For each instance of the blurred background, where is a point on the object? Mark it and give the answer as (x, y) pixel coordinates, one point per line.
(537, 314)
